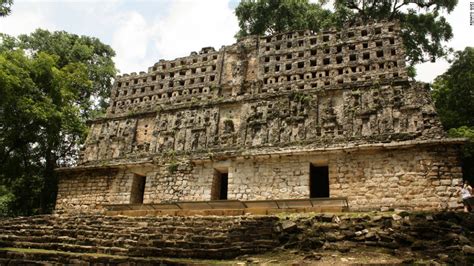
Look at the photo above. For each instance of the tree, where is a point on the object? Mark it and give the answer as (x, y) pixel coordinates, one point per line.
(423, 28)
(46, 94)
(71, 48)
(453, 93)
(274, 16)
(5, 7)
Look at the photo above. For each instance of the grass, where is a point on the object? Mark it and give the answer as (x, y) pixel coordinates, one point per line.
(357, 255)
(100, 255)
(47, 251)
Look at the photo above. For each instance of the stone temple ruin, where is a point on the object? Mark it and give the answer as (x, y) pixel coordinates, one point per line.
(290, 116)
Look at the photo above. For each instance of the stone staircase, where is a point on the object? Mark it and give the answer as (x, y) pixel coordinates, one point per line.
(441, 237)
(172, 237)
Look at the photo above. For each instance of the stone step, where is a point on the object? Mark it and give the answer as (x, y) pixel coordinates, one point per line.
(133, 224)
(11, 239)
(70, 230)
(203, 253)
(197, 237)
(163, 248)
(140, 224)
(100, 238)
(40, 257)
(113, 230)
(72, 248)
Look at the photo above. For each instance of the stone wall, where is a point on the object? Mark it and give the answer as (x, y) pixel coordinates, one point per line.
(259, 65)
(359, 115)
(89, 190)
(287, 89)
(426, 178)
(418, 177)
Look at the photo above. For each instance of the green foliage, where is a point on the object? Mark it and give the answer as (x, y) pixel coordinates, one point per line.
(411, 71)
(95, 56)
(301, 97)
(170, 153)
(44, 102)
(453, 93)
(5, 7)
(7, 42)
(6, 198)
(173, 167)
(276, 16)
(467, 155)
(422, 27)
(465, 132)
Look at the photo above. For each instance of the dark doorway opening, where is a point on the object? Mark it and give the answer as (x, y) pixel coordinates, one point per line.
(319, 181)
(138, 189)
(219, 186)
(223, 188)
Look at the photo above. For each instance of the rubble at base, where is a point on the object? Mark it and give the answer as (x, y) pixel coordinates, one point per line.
(444, 237)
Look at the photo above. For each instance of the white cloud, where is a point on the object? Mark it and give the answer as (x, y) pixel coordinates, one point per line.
(427, 72)
(191, 25)
(174, 28)
(130, 42)
(186, 26)
(24, 21)
(463, 36)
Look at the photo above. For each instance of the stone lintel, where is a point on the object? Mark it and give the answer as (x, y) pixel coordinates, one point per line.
(343, 149)
(117, 166)
(271, 153)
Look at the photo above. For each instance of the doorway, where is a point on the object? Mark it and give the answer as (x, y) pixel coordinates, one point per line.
(138, 189)
(219, 185)
(319, 181)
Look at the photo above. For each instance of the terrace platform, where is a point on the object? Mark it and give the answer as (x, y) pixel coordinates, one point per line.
(231, 207)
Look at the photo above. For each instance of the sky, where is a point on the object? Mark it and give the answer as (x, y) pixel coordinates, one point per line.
(144, 31)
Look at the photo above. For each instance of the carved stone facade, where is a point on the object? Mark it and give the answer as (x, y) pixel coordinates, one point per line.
(269, 117)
